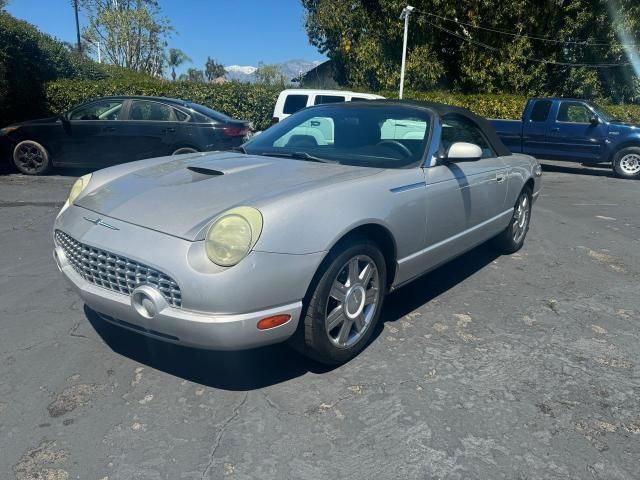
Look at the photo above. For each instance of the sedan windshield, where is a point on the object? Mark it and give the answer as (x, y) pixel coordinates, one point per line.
(380, 136)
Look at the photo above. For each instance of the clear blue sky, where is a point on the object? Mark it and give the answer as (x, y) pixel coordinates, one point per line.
(234, 32)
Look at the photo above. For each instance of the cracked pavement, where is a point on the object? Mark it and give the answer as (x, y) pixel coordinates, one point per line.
(519, 367)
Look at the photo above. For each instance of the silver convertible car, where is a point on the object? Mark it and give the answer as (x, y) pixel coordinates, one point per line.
(297, 235)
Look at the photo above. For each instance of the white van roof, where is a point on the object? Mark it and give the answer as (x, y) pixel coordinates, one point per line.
(310, 91)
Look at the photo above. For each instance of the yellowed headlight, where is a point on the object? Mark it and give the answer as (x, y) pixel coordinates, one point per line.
(232, 236)
(78, 187)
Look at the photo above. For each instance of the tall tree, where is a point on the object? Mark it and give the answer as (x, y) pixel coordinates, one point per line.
(176, 57)
(213, 69)
(515, 46)
(131, 33)
(193, 75)
(270, 75)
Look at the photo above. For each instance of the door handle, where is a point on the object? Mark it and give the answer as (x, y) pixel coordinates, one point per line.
(168, 130)
(555, 129)
(109, 129)
(500, 177)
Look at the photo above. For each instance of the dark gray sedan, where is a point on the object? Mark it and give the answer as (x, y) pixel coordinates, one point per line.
(113, 130)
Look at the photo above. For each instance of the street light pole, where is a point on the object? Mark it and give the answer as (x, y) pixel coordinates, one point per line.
(75, 6)
(406, 11)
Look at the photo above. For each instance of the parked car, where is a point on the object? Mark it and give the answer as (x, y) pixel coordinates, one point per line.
(573, 130)
(294, 99)
(295, 241)
(113, 130)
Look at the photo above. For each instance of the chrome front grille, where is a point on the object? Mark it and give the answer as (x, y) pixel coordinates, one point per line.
(115, 272)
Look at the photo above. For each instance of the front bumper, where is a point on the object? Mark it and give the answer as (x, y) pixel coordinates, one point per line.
(220, 310)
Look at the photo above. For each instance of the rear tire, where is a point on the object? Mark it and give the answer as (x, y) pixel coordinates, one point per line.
(344, 306)
(31, 158)
(626, 163)
(512, 238)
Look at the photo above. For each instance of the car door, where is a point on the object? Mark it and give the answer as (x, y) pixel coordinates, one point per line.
(571, 135)
(534, 134)
(91, 134)
(151, 129)
(465, 199)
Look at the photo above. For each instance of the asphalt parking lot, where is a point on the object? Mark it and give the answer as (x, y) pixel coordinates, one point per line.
(517, 367)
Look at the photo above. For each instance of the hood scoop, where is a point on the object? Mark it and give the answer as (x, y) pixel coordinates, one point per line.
(205, 171)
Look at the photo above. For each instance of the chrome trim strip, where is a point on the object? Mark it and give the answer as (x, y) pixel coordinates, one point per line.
(455, 237)
(404, 188)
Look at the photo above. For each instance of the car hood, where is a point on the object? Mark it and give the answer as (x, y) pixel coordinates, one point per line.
(181, 196)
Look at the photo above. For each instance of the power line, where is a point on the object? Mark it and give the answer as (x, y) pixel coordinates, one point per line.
(586, 43)
(530, 59)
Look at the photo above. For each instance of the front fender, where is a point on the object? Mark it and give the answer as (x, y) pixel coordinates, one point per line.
(316, 219)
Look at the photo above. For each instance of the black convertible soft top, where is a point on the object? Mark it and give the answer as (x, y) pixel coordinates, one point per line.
(443, 109)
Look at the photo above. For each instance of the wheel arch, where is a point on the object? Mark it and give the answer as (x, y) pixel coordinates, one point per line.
(626, 144)
(381, 236)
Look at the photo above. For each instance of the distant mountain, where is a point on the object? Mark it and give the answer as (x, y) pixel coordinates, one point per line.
(290, 69)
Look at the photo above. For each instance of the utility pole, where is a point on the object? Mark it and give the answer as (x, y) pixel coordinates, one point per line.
(406, 11)
(75, 7)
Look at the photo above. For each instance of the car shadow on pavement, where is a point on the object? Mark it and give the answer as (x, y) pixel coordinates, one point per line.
(579, 169)
(262, 367)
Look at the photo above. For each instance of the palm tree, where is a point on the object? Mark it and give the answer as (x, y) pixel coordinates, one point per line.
(175, 58)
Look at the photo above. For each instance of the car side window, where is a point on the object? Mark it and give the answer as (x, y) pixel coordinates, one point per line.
(457, 128)
(293, 103)
(150, 111)
(540, 110)
(180, 115)
(320, 99)
(573, 112)
(105, 110)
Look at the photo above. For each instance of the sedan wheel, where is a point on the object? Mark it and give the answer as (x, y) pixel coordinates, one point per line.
(184, 150)
(512, 238)
(344, 305)
(30, 158)
(352, 302)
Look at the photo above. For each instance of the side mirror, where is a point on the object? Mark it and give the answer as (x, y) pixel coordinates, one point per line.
(463, 151)
(594, 120)
(63, 118)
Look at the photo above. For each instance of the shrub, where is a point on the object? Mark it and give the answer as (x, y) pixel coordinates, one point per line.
(28, 59)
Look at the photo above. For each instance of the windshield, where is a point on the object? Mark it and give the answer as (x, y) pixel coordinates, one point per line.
(380, 136)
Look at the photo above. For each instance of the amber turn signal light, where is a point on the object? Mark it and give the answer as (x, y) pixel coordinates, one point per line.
(272, 322)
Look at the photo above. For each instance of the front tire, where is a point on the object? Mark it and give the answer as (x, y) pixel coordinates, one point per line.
(512, 238)
(626, 163)
(344, 307)
(31, 158)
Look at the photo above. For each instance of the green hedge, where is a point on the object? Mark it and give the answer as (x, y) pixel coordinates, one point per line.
(242, 101)
(256, 102)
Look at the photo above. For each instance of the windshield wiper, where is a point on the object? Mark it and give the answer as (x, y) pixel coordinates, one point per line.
(240, 149)
(299, 156)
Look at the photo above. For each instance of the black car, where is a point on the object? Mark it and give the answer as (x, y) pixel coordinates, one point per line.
(113, 130)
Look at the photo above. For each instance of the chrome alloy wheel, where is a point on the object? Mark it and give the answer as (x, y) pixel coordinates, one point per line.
(29, 157)
(630, 164)
(521, 215)
(353, 301)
